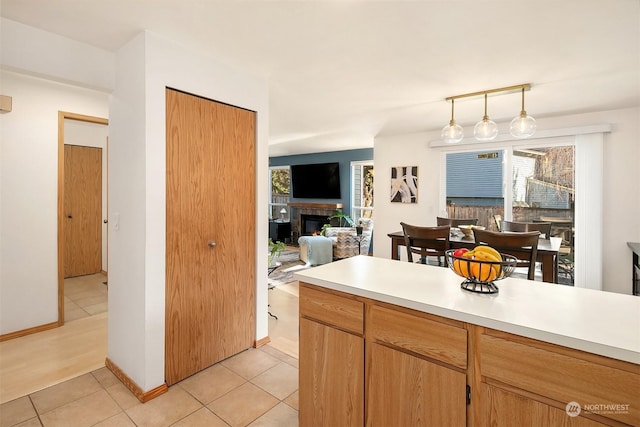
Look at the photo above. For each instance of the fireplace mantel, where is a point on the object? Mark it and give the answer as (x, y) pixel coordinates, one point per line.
(315, 205)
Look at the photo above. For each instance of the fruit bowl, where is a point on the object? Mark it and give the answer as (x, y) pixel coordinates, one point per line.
(467, 230)
(480, 275)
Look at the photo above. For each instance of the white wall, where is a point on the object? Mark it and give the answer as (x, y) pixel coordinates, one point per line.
(92, 135)
(127, 336)
(620, 182)
(145, 66)
(28, 195)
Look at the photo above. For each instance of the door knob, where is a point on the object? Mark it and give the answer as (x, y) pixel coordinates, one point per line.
(211, 244)
(69, 216)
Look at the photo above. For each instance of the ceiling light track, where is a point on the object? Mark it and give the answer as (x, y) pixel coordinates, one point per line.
(513, 89)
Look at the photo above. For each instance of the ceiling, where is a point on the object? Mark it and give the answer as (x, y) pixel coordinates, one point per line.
(341, 73)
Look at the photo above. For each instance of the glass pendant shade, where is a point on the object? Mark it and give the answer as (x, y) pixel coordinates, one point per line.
(452, 132)
(485, 130)
(523, 126)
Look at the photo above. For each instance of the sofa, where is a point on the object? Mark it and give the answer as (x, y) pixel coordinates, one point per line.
(346, 243)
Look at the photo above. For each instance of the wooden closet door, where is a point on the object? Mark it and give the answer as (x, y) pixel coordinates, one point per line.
(210, 270)
(82, 210)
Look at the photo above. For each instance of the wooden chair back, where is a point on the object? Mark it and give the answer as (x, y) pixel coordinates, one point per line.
(426, 241)
(523, 245)
(454, 222)
(498, 220)
(519, 227)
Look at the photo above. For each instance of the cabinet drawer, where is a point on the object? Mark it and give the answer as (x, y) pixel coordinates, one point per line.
(563, 376)
(429, 338)
(335, 310)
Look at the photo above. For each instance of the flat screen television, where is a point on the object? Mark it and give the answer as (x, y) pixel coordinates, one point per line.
(316, 181)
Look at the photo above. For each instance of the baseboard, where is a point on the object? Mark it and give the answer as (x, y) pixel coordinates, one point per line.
(28, 331)
(261, 342)
(131, 385)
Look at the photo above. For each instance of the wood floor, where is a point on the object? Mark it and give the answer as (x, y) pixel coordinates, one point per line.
(38, 361)
(283, 332)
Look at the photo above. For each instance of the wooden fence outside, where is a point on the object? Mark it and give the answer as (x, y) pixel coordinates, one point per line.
(485, 214)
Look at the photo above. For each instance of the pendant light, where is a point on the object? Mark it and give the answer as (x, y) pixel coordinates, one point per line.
(485, 129)
(523, 126)
(452, 132)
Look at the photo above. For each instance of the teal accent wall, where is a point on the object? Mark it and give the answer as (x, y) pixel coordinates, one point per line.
(343, 157)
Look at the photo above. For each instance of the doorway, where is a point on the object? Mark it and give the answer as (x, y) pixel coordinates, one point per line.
(82, 205)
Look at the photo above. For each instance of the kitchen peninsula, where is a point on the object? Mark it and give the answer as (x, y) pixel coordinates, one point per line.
(386, 342)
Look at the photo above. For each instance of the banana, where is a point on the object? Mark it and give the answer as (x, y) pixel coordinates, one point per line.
(468, 254)
(486, 256)
(488, 250)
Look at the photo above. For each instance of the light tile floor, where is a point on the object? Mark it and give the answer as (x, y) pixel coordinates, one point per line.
(258, 387)
(84, 296)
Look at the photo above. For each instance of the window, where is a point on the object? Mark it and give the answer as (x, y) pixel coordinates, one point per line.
(542, 182)
(577, 162)
(279, 185)
(361, 190)
(523, 182)
(474, 185)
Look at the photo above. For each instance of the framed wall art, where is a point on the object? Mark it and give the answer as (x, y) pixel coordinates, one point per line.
(404, 184)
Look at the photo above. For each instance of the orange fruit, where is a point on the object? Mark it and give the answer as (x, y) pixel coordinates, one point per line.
(461, 267)
(483, 272)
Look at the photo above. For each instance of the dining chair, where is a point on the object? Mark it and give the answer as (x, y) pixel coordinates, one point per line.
(498, 220)
(523, 246)
(543, 227)
(561, 227)
(454, 222)
(426, 242)
(565, 263)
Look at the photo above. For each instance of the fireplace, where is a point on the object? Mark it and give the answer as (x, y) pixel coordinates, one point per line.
(311, 224)
(318, 213)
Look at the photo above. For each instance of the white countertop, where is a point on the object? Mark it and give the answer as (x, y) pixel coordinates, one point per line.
(599, 322)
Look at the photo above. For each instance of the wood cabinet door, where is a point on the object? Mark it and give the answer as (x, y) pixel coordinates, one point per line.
(503, 408)
(404, 390)
(331, 376)
(82, 210)
(210, 235)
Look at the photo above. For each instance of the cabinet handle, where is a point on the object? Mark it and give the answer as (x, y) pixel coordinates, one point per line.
(211, 244)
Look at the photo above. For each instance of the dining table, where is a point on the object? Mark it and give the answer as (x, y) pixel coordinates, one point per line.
(547, 251)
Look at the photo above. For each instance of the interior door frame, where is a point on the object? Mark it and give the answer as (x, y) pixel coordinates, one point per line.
(62, 115)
